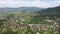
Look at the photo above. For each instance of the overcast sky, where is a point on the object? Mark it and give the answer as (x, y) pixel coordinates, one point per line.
(29, 3)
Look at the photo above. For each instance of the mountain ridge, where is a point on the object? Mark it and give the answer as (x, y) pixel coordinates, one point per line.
(20, 8)
(50, 11)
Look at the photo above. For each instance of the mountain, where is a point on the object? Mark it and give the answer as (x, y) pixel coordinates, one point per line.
(50, 11)
(20, 9)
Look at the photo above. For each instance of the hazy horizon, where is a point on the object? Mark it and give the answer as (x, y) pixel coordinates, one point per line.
(29, 3)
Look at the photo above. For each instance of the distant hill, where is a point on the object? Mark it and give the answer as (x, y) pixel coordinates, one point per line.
(50, 11)
(21, 9)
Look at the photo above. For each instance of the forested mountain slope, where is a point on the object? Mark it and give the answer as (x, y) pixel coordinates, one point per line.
(50, 11)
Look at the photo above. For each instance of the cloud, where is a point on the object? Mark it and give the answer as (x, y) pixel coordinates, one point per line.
(46, 4)
(18, 0)
(26, 3)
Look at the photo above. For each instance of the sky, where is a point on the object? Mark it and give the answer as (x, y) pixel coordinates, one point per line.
(29, 3)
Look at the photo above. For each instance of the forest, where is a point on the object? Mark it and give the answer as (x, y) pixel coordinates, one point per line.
(30, 21)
